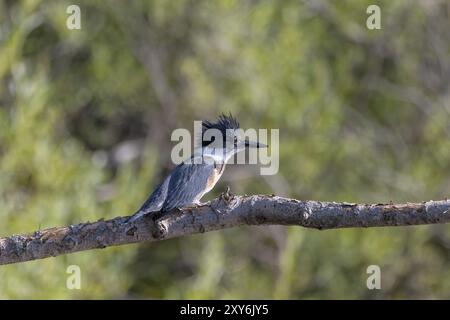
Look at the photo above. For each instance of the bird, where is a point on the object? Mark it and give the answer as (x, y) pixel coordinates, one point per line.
(189, 181)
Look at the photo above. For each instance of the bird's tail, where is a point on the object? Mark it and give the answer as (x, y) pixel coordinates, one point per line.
(150, 206)
(153, 204)
(138, 215)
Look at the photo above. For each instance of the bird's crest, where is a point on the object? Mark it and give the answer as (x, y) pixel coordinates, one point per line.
(223, 123)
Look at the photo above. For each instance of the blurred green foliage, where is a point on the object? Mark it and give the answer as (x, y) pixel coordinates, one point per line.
(86, 117)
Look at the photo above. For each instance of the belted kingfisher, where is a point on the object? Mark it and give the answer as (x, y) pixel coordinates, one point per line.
(196, 176)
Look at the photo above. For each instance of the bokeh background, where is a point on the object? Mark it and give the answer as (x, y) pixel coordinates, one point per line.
(86, 117)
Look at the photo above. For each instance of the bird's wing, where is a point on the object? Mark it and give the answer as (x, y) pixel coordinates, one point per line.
(187, 183)
(156, 200)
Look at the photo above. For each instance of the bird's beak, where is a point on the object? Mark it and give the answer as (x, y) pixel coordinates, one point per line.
(253, 144)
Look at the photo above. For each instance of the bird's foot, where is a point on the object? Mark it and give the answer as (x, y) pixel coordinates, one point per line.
(201, 204)
(191, 207)
(197, 205)
(227, 195)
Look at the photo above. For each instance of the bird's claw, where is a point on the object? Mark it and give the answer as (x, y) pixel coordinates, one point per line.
(227, 195)
(191, 207)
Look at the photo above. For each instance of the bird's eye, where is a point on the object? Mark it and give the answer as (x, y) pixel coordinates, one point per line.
(235, 140)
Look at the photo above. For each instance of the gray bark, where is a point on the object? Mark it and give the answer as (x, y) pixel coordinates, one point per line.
(225, 212)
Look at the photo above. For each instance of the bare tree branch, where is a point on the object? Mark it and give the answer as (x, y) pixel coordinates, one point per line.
(225, 212)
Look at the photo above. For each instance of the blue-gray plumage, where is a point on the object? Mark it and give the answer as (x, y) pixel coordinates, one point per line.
(189, 181)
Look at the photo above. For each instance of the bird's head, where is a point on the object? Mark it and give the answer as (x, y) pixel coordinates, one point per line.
(224, 138)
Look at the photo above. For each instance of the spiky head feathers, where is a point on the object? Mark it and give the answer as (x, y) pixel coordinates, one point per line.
(225, 124)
